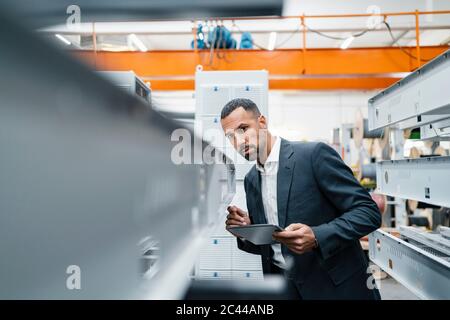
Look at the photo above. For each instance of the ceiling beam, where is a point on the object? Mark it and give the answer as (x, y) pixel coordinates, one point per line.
(320, 69)
(150, 32)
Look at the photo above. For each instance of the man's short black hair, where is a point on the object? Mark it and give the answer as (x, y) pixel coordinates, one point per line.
(232, 105)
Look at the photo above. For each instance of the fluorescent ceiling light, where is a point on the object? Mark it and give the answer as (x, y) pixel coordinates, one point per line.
(137, 42)
(272, 40)
(347, 42)
(176, 27)
(125, 27)
(60, 37)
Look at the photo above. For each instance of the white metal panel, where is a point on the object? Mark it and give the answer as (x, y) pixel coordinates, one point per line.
(248, 274)
(215, 274)
(421, 120)
(210, 129)
(216, 255)
(437, 244)
(223, 232)
(424, 179)
(254, 92)
(213, 89)
(213, 98)
(420, 93)
(436, 131)
(426, 275)
(242, 260)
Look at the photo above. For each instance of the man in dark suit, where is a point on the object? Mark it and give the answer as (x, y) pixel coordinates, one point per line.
(308, 190)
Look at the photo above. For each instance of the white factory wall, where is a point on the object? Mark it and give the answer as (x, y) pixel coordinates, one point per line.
(312, 115)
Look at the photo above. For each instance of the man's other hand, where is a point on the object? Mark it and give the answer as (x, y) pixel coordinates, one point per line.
(298, 237)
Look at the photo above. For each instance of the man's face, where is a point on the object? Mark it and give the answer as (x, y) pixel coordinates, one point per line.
(245, 130)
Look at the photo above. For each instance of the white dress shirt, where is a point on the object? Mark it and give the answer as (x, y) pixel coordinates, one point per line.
(269, 194)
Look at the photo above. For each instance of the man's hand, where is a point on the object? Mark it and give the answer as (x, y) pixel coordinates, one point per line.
(298, 237)
(237, 217)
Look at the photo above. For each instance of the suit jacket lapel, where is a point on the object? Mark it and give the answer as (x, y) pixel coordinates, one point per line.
(284, 180)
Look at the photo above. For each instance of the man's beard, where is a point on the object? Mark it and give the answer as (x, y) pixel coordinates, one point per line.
(249, 156)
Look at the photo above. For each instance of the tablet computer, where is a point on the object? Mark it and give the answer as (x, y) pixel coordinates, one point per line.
(257, 234)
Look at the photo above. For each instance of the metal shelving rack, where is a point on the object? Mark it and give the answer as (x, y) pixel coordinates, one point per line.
(417, 96)
(421, 270)
(423, 179)
(419, 260)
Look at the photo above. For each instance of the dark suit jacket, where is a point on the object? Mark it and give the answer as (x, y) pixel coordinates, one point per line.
(316, 188)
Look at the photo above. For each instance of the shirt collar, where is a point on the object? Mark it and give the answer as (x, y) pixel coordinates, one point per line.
(273, 157)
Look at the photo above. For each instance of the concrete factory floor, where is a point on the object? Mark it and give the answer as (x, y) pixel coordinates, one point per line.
(390, 289)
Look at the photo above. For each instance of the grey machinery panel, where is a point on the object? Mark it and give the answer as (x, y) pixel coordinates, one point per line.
(425, 274)
(423, 179)
(128, 81)
(420, 95)
(87, 180)
(438, 131)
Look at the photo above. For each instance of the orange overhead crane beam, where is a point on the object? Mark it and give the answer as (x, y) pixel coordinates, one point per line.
(313, 69)
(321, 69)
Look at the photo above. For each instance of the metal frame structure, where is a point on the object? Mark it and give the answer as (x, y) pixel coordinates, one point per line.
(88, 181)
(128, 81)
(420, 93)
(422, 179)
(438, 131)
(419, 260)
(425, 274)
(423, 120)
(434, 242)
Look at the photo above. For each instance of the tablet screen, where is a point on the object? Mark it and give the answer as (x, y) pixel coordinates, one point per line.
(257, 234)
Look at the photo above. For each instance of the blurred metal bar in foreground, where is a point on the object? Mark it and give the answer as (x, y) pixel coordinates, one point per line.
(87, 183)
